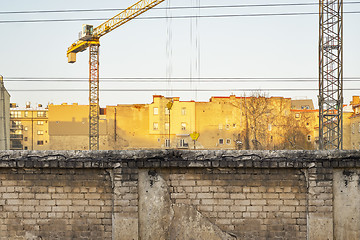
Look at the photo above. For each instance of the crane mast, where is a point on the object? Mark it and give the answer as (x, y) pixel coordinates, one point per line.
(331, 74)
(90, 38)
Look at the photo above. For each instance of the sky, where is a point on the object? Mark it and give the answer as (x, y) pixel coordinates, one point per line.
(154, 49)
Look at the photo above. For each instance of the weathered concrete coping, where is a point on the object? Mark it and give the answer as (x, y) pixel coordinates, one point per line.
(179, 158)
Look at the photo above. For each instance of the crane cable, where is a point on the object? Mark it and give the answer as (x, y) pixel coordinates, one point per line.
(197, 46)
(168, 48)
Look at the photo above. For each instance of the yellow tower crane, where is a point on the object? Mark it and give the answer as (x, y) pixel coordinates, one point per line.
(89, 38)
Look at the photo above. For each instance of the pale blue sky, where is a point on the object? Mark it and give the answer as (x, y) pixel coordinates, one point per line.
(229, 47)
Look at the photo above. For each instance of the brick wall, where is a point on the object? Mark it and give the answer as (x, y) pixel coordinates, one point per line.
(179, 195)
(250, 203)
(55, 204)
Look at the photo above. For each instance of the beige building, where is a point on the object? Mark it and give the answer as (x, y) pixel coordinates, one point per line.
(29, 127)
(151, 125)
(302, 104)
(69, 127)
(4, 117)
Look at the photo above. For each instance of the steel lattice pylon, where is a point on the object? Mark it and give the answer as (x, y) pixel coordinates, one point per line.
(330, 74)
(94, 97)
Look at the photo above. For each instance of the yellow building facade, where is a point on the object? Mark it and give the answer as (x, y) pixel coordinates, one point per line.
(228, 122)
(69, 127)
(29, 128)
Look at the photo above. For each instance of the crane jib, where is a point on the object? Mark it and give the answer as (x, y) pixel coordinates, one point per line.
(125, 16)
(111, 24)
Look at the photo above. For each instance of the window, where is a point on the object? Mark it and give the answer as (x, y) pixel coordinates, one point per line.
(220, 126)
(269, 127)
(167, 126)
(156, 126)
(17, 123)
(297, 115)
(305, 107)
(156, 111)
(309, 138)
(25, 139)
(41, 114)
(40, 132)
(25, 128)
(183, 126)
(221, 141)
(40, 142)
(227, 126)
(182, 143)
(167, 142)
(15, 114)
(228, 141)
(25, 148)
(26, 114)
(183, 111)
(234, 125)
(40, 122)
(167, 111)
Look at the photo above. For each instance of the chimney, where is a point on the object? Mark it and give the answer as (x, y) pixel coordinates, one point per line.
(355, 100)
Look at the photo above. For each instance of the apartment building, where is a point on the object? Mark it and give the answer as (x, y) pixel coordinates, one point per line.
(29, 127)
(221, 123)
(228, 122)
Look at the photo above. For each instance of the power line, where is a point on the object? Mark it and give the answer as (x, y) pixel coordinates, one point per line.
(175, 90)
(162, 8)
(174, 78)
(180, 80)
(173, 17)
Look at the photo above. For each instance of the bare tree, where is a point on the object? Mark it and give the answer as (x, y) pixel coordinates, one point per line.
(296, 133)
(258, 112)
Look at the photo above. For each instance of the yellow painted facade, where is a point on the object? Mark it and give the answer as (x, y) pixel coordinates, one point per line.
(222, 123)
(69, 127)
(29, 128)
(308, 120)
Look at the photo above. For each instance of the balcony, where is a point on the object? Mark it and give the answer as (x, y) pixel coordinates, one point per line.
(16, 137)
(16, 146)
(16, 127)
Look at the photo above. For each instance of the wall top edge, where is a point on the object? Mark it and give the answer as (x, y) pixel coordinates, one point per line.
(179, 158)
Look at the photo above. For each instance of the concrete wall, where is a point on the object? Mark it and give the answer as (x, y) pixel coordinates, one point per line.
(164, 194)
